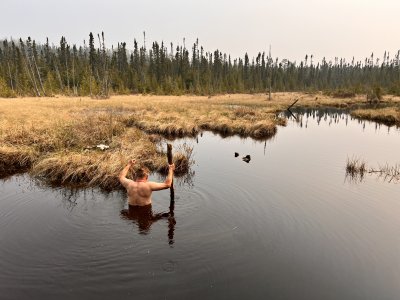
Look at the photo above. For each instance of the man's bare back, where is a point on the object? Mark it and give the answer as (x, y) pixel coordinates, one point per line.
(140, 190)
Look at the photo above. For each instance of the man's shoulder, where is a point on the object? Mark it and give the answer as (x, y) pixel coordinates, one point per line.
(150, 183)
(145, 185)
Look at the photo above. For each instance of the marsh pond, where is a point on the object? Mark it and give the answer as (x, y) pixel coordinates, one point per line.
(287, 224)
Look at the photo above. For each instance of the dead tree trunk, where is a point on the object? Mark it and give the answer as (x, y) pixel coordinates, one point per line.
(59, 76)
(90, 83)
(9, 74)
(28, 54)
(31, 74)
(66, 66)
(101, 65)
(105, 70)
(270, 78)
(73, 74)
(38, 73)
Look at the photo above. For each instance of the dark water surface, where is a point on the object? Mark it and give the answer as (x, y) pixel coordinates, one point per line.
(286, 225)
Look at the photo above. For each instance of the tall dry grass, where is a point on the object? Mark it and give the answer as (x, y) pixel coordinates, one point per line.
(14, 159)
(57, 141)
(187, 116)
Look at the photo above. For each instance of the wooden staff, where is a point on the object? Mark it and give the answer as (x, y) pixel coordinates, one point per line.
(169, 156)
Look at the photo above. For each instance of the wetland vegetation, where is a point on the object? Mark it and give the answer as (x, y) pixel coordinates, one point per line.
(357, 168)
(178, 92)
(56, 138)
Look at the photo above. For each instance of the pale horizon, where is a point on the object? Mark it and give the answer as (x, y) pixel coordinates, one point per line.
(293, 29)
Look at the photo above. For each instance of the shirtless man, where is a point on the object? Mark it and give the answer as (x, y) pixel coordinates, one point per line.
(139, 191)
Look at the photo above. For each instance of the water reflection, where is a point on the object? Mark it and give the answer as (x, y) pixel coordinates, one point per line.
(354, 178)
(70, 198)
(144, 218)
(330, 115)
(75, 201)
(185, 180)
(327, 114)
(386, 173)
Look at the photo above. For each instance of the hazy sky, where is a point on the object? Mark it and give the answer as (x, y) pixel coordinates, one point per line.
(293, 28)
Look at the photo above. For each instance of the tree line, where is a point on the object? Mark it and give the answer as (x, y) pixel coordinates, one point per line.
(31, 69)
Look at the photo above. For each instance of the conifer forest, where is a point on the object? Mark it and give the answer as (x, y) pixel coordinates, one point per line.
(28, 68)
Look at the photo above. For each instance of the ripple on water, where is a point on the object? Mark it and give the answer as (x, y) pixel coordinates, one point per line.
(170, 266)
(198, 243)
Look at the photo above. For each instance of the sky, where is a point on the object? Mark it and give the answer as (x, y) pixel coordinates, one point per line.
(293, 28)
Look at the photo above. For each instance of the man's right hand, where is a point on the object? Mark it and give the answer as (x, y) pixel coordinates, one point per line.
(172, 167)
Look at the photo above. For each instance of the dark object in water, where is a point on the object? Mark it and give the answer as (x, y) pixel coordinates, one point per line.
(246, 158)
(169, 158)
(236, 154)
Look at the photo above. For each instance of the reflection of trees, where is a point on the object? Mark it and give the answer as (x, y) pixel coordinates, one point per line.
(187, 179)
(69, 198)
(327, 114)
(71, 195)
(144, 218)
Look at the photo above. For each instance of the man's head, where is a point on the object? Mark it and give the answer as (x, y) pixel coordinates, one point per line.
(142, 173)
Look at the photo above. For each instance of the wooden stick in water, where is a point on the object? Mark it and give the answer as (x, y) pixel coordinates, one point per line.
(169, 156)
(293, 104)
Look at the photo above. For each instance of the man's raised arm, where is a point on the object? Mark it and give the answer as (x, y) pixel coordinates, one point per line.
(156, 186)
(122, 176)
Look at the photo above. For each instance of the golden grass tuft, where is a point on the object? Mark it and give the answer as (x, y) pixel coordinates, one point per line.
(388, 116)
(16, 159)
(225, 127)
(98, 168)
(243, 111)
(188, 119)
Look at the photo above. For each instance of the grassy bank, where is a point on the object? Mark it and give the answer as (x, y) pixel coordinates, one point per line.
(55, 138)
(388, 116)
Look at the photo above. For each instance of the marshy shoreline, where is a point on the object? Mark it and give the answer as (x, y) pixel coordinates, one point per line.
(56, 138)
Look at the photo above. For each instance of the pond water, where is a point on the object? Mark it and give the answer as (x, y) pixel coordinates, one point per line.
(286, 225)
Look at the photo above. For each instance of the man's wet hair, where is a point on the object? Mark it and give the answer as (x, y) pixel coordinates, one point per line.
(142, 173)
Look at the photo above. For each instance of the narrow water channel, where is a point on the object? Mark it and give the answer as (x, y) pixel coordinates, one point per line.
(288, 224)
